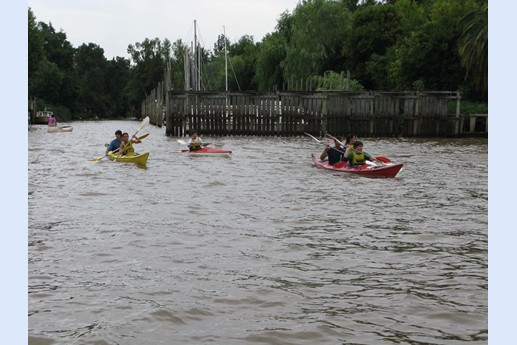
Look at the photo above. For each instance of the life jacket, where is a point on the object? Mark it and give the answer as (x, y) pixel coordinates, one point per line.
(128, 149)
(358, 158)
(196, 144)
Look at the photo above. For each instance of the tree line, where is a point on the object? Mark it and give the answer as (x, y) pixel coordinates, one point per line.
(396, 45)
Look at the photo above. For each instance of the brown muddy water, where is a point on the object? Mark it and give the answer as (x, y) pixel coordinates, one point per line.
(259, 248)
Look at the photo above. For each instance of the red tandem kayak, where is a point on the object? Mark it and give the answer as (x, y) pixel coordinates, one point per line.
(387, 170)
(208, 151)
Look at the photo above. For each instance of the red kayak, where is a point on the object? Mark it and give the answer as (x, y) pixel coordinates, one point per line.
(207, 151)
(386, 170)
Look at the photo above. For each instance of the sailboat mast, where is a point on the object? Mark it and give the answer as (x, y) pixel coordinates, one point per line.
(199, 68)
(196, 68)
(225, 59)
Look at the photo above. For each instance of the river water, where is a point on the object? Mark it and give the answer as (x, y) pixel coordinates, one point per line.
(259, 248)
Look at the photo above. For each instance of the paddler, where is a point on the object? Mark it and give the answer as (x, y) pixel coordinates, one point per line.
(337, 153)
(126, 148)
(115, 143)
(356, 156)
(195, 142)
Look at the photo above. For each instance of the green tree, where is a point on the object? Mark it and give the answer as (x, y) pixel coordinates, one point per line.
(219, 45)
(242, 64)
(351, 4)
(117, 76)
(57, 48)
(45, 78)
(52, 78)
(271, 57)
(319, 31)
(215, 73)
(91, 69)
(149, 59)
(269, 72)
(473, 48)
(430, 55)
(332, 81)
(411, 14)
(375, 29)
(36, 55)
(47, 83)
(377, 70)
(59, 51)
(177, 65)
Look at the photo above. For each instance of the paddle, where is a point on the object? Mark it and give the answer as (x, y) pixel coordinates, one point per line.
(144, 123)
(321, 142)
(182, 142)
(381, 159)
(100, 158)
(143, 136)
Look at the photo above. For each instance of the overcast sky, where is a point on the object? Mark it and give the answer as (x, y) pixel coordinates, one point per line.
(114, 24)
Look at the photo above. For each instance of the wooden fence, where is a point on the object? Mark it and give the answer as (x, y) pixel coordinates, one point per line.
(410, 114)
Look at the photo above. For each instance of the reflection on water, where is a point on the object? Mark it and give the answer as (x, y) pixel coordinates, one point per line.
(261, 247)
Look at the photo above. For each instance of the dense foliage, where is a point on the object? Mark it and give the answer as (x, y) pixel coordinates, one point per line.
(388, 45)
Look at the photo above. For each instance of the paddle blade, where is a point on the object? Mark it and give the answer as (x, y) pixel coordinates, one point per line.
(182, 142)
(383, 159)
(96, 159)
(319, 141)
(143, 136)
(334, 138)
(144, 123)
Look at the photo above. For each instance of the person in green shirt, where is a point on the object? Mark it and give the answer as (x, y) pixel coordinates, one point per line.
(357, 157)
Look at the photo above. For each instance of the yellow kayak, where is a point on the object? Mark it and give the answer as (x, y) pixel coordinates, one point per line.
(140, 158)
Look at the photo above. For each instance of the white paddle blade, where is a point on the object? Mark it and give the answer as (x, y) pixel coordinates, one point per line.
(319, 141)
(182, 142)
(334, 138)
(144, 123)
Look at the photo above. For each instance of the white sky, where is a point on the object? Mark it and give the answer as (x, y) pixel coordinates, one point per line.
(114, 24)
